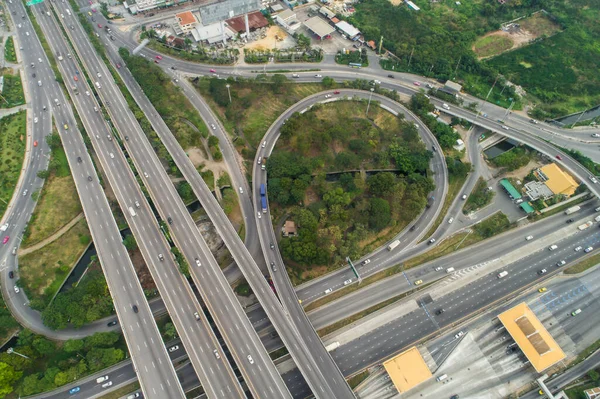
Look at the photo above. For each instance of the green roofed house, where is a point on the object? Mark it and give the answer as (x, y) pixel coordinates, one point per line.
(510, 189)
(527, 208)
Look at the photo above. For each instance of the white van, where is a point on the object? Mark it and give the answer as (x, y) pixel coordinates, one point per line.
(552, 247)
(449, 270)
(445, 106)
(442, 377)
(502, 274)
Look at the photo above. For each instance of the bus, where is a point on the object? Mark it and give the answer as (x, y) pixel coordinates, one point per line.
(355, 65)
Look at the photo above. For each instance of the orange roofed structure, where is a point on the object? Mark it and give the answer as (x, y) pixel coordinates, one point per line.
(532, 337)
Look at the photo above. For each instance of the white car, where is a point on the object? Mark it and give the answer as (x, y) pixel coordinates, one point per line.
(595, 135)
(213, 126)
(250, 360)
(439, 268)
(198, 262)
(593, 179)
(35, 120)
(98, 74)
(366, 261)
(327, 95)
(27, 33)
(107, 384)
(504, 127)
(101, 379)
(40, 60)
(17, 290)
(173, 348)
(241, 190)
(87, 93)
(4, 227)
(464, 197)
(450, 220)
(259, 214)
(528, 238)
(264, 144)
(328, 291)
(459, 334)
(318, 76)
(348, 281)
(216, 352)
(112, 155)
(579, 248)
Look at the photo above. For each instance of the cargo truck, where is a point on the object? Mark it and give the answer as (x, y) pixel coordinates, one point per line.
(585, 225)
(263, 201)
(263, 190)
(502, 274)
(572, 209)
(263, 165)
(393, 245)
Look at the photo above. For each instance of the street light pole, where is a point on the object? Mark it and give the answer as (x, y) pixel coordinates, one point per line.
(11, 350)
(228, 92)
(369, 104)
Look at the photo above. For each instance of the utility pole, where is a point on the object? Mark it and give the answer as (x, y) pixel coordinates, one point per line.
(410, 58)
(457, 64)
(228, 92)
(369, 104)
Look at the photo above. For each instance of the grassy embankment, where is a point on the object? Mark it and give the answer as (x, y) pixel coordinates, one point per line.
(12, 150)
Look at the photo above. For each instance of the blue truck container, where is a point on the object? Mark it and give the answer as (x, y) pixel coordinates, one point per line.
(263, 201)
(263, 190)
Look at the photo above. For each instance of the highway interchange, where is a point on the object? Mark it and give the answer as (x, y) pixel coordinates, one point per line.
(183, 230)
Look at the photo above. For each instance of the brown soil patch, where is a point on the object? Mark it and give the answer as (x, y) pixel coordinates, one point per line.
(524, 171)
(142, 270)
(523, 31)
(269, 41)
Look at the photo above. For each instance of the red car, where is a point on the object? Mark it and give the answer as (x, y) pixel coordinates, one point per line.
(35, 143)
(417, 83)
(99, 25)
(336, 92)
(93, 10)
(5, 239)
(212, 71)
(158, 57)
(75, 78)
(559, 157)
(156, 61)
(118, 65)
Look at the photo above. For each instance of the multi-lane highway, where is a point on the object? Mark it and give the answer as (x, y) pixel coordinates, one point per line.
(186, 312)
(258, 370)
(155, 371)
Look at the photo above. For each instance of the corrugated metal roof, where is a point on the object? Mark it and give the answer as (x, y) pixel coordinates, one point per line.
(511, 190)
(227, 9)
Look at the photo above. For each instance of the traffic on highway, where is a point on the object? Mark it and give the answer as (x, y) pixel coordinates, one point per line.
(445, 305)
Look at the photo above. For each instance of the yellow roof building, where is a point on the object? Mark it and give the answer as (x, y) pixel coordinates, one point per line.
(532, 337)
(558, 181)
(407, 370)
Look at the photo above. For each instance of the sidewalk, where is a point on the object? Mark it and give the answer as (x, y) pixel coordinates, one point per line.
(53, 237)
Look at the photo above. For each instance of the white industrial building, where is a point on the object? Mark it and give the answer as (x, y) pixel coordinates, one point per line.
(346, 29)
(288, 21)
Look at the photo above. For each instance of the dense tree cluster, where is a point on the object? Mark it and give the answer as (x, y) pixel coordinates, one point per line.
(513, 159)
(90, 300)
(437, 42)
(350, 205)
(50, 365)
(445, 134)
